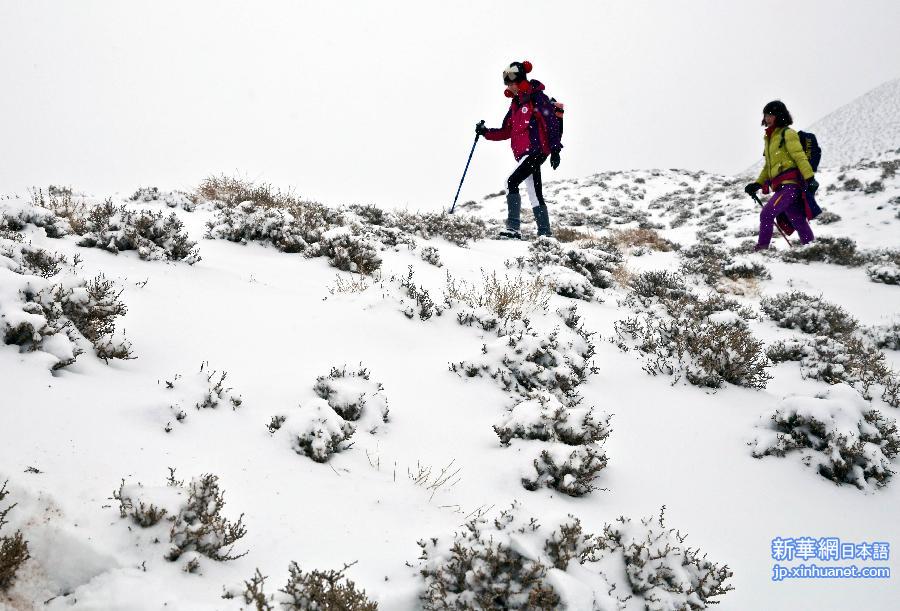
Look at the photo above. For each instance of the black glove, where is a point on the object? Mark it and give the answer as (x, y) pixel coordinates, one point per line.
(554, 159)
(480, 129)
(752, 188)
(811, 185)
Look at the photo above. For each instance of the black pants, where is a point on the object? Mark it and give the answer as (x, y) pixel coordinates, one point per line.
(529, 170)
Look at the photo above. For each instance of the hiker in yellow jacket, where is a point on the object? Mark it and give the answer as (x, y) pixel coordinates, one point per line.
(787, 172)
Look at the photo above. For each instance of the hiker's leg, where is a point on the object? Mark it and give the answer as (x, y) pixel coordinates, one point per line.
(767, 220)
(513, 199)
(536, 194)
(796, 213)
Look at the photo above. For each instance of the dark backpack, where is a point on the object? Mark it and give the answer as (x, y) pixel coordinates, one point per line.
(810, 147)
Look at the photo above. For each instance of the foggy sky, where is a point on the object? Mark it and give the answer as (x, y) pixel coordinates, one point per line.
(376, 102)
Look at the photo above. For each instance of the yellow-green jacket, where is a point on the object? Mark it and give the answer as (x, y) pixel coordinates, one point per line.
(780, 159)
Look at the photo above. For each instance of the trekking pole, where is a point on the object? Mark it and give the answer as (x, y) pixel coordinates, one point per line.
(780, 230)
(477, 136)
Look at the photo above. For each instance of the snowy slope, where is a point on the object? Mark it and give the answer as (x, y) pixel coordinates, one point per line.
(863, 128)
(277, 321)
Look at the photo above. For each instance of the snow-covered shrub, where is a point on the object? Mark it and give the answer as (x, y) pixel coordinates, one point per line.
(838, 251)
(797, 310)
(522, 359)
(658, 567)
(543, 416)
(132, 504)
(291, 229)
(322, 591)
(432, 255)
(153, 235)
(13, 548)
(567, 283)
(456, 228)
(414, 300)
(884, 336)
(567, 469)
(62, 316)
(45, 210)
(192, 514)
(745, 267)
(596, 260)
(651, 286)
(321, 433)
(483, 569)
(844, 359)
(512, 563)
(199, 525)
(706, 260)
(204, 390)
(837, 432)
(354, 396)
(707, 349)
(827, 218)
(348, 252)
(39, 262)
(886, 273)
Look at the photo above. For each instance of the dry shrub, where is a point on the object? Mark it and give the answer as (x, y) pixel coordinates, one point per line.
(508, 298)
(628, 238)
(573, 234)
(13, 550)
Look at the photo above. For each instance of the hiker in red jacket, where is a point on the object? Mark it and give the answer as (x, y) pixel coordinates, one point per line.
(533, 125)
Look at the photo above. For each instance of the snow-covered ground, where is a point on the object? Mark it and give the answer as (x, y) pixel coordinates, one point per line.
(276, 322)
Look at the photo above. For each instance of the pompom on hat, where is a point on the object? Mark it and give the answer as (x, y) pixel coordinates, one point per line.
(516, 72)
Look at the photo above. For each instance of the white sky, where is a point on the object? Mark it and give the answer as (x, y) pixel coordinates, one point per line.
(376, 102)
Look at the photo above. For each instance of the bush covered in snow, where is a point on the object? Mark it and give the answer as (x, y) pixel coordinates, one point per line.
(886, 273)
(522, 359)
(432, 255)
(827, 218)
(543, 416)
(884, 336)
(797, 310)
(205, 390)
(567, 469)
(193, 514)
(483, 569)
(511, 563)
(568, 283)
(658, 567)
(843, 359)
(456, 228)
(354, 396)
(707, 350)
(596, 260)
(56, 311)
(117, 228)
(323, 590)
(837, 432)
(704, 339)
(13, 548)
(199, 525)
(837, 251)
(346, 251)
(321, 431)
(745, 267)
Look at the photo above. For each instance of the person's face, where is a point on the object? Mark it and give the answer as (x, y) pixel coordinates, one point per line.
(768, 120)
(513, 88)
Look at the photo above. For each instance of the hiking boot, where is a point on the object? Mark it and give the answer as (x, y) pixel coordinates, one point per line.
(509, 234)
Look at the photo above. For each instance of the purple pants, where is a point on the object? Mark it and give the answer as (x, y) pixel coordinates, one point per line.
(788, 200)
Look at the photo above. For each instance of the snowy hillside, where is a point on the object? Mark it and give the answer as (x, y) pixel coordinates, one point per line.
(864, 128)
(200, 390)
